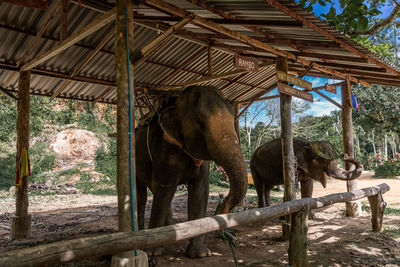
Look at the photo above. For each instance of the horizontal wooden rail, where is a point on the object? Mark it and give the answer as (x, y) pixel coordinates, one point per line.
(108, 244)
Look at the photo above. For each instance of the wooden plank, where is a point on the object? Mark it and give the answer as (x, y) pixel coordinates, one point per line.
(288, 90)
(41, 4)
(246, 63)
(331, 88)
(108, 244)
(92, 27)
(286, 77)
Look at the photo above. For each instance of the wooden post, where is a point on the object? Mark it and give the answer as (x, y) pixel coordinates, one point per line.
(287, 148)
(352, 208)
(377, 208)
(21, 222)
(298, 238)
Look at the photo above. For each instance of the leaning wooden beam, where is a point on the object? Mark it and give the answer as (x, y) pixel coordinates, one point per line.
(8, 93)
(205, 23)
(32, 45)
(102, 94)
(108, 244)
(328, 35)
(211, 78)
(328, 98)
(42, 4)
(98, 23)
(87, 59)
(151, 47)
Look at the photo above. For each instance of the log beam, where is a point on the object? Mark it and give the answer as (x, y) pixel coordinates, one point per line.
(92, 27)
(352, 208)
(106, 244)
(21, 222)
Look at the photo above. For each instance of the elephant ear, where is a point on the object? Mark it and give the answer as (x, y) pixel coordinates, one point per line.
(171, 126)
(302, 162)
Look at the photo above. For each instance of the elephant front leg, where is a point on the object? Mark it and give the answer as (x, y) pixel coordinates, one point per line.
(160, 209)
(197, 206)
(307, 191)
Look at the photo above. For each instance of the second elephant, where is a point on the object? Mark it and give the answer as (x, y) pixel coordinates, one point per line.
(315, 160)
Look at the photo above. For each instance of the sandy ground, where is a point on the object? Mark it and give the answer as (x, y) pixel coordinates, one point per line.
(334, 240)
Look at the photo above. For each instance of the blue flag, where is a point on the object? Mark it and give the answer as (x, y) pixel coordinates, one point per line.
(354, 101)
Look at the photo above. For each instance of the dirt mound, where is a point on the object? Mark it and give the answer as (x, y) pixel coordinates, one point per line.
(74, 146)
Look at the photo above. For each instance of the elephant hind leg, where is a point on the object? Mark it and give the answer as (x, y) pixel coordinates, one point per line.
(259, 185)
(267, 194)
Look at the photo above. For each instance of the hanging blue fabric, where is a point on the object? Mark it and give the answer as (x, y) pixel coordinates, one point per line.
(354, 101)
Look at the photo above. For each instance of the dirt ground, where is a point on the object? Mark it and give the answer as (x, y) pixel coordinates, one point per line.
(334, 240)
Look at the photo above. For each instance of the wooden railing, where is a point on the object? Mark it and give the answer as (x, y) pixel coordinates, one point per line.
(110, 244)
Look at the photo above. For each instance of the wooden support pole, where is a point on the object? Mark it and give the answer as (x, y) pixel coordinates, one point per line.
(123, 131)
(64, 20)
(352, 208)
(298, 239)
(108, 244)
(287, 148)
(377, 208)
(21, 222)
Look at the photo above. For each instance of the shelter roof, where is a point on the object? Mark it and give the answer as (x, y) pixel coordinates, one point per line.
(258, 29)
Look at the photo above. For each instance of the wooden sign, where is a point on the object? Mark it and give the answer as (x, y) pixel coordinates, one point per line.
(289, 90)
(286, 77)
(330, 88)
(246, 63)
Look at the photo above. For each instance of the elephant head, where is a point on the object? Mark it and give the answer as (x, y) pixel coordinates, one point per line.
(201, 123)
(319, 160)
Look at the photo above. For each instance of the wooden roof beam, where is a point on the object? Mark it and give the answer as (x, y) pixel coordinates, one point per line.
(92, 27)
(328, 35)
(204, 23)
(102, 94)
(41, 4)
(64, 20)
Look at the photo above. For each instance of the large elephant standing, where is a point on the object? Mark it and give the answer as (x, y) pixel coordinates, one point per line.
(175, 149)
(315, 160)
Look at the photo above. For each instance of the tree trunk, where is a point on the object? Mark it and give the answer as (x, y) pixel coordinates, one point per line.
(352, 208)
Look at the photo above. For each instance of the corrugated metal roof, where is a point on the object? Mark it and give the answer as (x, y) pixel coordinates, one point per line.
(19, 25)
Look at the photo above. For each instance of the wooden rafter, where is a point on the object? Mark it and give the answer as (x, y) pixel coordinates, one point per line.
(102, 94)
(64, 20)
(170, 9)
(211, 78)
(253, 87)
(87, 59)
(328, 35)
(152, 47)
(210, 61)
(42, 4)
(98, 23)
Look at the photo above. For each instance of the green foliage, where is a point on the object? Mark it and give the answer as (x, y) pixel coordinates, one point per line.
(8, 119)
(106, 160)
(217, 177)
(387, 211)
(41, 160)
(7, 171)
(389, 169)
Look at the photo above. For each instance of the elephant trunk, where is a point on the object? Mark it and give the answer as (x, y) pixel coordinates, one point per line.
(225, 151)
(341, 174)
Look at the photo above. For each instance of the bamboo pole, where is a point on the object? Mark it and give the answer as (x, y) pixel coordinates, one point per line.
(21, 222)
(287, 148)
(352, 208)
(108, 244)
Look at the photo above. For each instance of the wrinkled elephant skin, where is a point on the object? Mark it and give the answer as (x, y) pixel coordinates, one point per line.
(176, 148)
(315, 160)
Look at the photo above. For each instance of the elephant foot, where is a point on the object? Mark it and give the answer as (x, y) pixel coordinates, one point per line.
(311, 215)
(152, 261)
(157, 251)
(196, 249)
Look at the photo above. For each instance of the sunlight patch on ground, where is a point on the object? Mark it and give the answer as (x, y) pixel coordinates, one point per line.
(331, 239)
(370, 251)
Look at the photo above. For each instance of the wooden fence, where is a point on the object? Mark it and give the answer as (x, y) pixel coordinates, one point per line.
(109, 244)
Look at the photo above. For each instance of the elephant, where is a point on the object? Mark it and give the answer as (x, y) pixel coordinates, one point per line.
(175, 148)
(315, 160)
